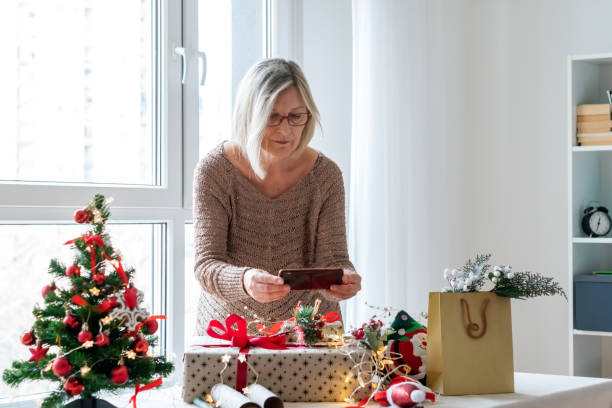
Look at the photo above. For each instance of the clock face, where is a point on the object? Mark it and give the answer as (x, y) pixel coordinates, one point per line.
(600, 223)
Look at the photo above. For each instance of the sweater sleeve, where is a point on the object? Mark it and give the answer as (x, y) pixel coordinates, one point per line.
(212, 215)
(331, 248)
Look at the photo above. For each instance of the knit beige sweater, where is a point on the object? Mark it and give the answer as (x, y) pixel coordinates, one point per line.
(237, 228)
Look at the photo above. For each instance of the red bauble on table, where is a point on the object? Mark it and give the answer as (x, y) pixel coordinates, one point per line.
(71, 321)
(119, 375)
(151, 326)
(74, 386)
(102, 340)
(73, 270)
(82, 216)
(84, 335)
(141, 346)
(61, 367)
(28, 338)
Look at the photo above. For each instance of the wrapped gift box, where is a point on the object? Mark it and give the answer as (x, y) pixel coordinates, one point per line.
(318, 374)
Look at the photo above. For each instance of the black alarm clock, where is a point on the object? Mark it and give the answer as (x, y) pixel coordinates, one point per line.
(596, 221)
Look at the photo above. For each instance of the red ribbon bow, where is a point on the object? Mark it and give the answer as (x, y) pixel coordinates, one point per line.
(239, 338)
(138, 388)
(119, 269)
(90, 240)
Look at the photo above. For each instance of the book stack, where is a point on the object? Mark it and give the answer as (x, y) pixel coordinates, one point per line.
(594, 124)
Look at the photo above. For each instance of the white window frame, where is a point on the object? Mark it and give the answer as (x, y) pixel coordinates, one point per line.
(169, 203)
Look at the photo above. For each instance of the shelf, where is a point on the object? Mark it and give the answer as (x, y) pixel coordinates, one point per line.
(592, 333)
(578, 149)
(587, 240)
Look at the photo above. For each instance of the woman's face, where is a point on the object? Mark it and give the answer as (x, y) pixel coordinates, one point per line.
(281, 141)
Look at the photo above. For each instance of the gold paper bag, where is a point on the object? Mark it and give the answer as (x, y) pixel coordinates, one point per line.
(469, 343)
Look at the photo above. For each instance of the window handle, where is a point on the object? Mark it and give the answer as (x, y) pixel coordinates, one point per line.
(202, 57)
(181, 51)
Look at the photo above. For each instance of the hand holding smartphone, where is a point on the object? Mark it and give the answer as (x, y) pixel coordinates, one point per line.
(311, 278)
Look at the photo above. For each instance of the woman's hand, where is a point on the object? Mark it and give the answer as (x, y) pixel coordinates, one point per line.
(351, 284)
(263, 287)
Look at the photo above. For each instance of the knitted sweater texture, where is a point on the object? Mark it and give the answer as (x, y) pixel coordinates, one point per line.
(237, 228)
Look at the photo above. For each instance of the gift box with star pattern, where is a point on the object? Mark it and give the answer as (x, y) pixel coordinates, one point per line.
(318, 374)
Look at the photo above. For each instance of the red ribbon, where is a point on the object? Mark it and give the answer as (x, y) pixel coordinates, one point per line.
(239, 338)
(79, 300)
(138, 388)
(119, 269)
(90, 240)
(107, 304)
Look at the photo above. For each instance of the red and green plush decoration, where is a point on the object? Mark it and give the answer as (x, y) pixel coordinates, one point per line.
(91, 333)
(407, 345)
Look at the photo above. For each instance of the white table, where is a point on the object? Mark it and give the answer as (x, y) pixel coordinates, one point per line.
(531, 390)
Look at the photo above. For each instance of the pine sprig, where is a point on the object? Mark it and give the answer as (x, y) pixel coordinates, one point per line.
(525, 285)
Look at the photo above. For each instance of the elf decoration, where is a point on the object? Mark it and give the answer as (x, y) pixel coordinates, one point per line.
(407, 346)
(91, 334)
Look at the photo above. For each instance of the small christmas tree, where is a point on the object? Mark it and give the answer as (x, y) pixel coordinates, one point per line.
(92, 333)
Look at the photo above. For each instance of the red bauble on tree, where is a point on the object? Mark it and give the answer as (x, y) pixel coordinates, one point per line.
(28, 338)
(141, 346)
(151, 326)
(74, 386)
(71, 321)
(102, 340)
(61, 367)
(84, 335)
(131, 297)
(119, 375)
(82, 216)
(98, 278)
(73, 270)
(47, 289)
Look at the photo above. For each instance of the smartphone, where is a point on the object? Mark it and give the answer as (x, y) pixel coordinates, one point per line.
(311, 278)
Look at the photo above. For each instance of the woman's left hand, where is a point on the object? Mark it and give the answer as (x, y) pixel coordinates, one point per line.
(351, 284)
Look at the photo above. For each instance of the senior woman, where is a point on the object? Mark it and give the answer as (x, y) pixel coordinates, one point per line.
(267, 201)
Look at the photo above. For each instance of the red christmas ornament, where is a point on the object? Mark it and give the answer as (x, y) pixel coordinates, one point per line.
(81, 216)
(119, 375)
(102, 340)
(61, 367)
(404, 393)
(28, 338)
(73, 270)
(151, 326)
(47, 289)
(131, 297)
(73, 386)
(38, 353)
(98, 278)
(71, 321)
(141, 346)
(84, 335)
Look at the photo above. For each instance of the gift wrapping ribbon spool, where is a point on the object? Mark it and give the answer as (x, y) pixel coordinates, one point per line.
(239, 338)
(472, 327)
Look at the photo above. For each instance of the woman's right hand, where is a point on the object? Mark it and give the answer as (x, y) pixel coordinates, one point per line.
(263, 287)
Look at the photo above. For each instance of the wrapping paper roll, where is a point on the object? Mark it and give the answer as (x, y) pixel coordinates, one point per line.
(264, 397)
(227, 397)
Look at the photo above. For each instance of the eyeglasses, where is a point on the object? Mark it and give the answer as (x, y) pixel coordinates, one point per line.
(293, 119)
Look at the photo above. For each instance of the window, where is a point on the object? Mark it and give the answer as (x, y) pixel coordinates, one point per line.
(87, 109)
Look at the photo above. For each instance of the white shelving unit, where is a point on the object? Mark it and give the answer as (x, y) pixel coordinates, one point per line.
(590, 179)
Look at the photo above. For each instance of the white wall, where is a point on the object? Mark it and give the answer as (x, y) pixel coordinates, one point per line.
(497, 132)
(517, 158)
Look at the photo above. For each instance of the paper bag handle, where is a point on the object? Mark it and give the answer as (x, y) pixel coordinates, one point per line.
(472, 327)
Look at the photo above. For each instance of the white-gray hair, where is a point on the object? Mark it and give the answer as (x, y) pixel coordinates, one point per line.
(255, 99)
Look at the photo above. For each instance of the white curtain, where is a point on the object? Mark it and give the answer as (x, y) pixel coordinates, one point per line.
(389, 237)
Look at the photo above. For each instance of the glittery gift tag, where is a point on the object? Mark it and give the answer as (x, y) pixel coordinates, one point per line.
(295, 375)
